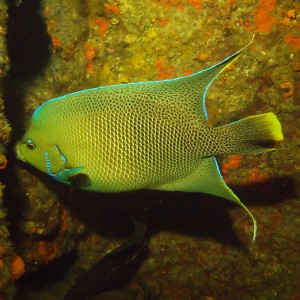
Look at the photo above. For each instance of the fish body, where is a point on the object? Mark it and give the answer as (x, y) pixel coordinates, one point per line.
(147, 135)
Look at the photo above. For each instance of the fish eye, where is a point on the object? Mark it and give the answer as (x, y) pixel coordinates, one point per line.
(30, 144)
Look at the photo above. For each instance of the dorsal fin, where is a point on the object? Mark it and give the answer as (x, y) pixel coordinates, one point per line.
(198, 83)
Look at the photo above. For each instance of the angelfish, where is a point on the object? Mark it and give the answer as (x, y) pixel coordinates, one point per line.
(146, 135)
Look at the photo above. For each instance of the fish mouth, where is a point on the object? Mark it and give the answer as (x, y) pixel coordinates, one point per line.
(18, 153)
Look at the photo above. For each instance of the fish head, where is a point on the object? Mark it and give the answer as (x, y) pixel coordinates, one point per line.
(37, 149)
(32, 148)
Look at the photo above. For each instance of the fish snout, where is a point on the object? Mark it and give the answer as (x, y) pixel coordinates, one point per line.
(18, 152)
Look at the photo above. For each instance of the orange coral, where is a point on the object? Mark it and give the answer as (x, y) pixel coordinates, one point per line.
(163, 21)
(55, 41)
(264, 20)
(232, 162)
(3, 162)
(293, 41)
(187, 72)
(103, 25)
(47, 250)
(195, 3)
(89, 50)
(164, 72)
(17, 268)
(110, 8)
(180, 4)
(90, 53)
(168, 3)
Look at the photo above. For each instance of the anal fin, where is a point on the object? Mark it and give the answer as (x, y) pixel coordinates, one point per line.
(207, 179)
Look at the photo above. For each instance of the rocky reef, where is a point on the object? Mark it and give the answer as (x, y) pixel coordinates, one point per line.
(199, 247)
(10, 264)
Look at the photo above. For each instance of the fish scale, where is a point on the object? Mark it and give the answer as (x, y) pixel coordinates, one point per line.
(145, 155)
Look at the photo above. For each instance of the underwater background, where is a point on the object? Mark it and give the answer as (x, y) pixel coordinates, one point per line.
(198, 247)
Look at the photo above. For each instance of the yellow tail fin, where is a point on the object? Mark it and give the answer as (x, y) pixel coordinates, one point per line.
(254, 134)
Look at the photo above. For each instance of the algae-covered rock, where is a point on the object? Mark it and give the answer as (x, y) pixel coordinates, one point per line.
(6, 249)
(6, 254)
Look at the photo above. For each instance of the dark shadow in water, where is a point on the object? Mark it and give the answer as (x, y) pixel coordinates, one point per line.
(268, 192)
(191, 214)
(29, 51)
(188, 213)
(48, 276)
(27, 40)
(29, 47)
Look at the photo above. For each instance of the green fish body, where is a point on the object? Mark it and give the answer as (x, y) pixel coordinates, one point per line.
(148, 135)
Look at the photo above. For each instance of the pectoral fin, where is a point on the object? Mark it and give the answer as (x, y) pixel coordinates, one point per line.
(57, 167)
(73, 176)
